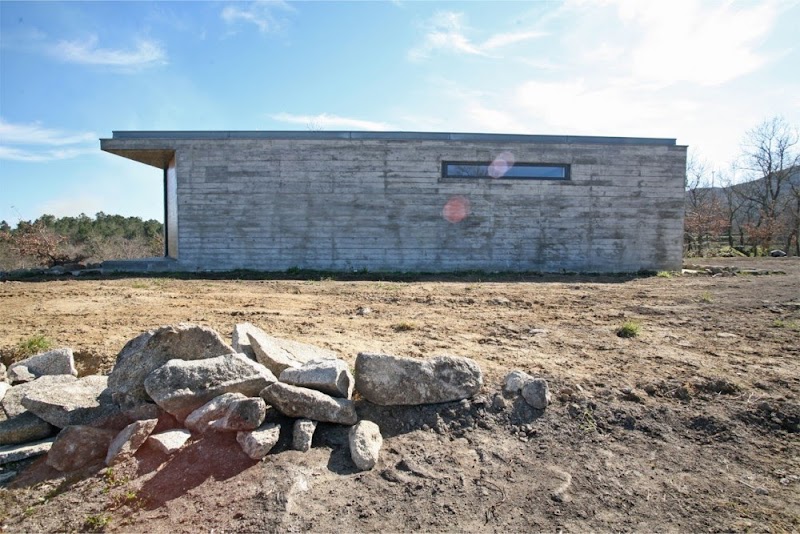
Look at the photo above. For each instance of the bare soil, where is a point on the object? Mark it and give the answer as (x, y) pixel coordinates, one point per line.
(690, 426)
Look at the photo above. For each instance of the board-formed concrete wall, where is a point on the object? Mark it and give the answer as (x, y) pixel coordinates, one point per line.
(352, 203)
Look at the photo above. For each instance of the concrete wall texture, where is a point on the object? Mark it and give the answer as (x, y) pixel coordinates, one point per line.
(274, 202)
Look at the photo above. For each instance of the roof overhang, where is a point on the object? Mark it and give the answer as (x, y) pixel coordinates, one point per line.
(157, 157)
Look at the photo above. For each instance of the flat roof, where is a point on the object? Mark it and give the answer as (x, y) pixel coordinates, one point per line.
(393, 136)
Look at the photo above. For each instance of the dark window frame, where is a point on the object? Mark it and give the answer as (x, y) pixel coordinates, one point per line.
(565, 166)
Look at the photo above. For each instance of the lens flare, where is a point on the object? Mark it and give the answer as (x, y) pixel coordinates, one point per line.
(456, 209)
(499, 167)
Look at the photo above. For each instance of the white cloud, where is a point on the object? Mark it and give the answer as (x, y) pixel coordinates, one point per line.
(259, 13)
(72, 206)
(506, 39)
(146, 53)
(446, 31)
(611, 109)
(325, 121)
(706, 44)
(20, 154)
(35, 133)
(33, 142)
(493, 120)
(668, 43)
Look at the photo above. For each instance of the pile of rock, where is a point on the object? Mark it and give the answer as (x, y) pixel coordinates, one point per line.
(725, 270)
(535, 391)
(180, 382)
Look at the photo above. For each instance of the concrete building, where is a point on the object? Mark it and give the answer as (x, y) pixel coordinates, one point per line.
(402, 201)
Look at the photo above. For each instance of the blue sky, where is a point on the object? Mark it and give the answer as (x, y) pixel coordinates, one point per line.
(70, 73)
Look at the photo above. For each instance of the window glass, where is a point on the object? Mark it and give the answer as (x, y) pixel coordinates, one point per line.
(518, 171)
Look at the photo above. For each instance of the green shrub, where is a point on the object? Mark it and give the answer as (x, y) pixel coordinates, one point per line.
(97, 523)
(33, 345)
(629, 329)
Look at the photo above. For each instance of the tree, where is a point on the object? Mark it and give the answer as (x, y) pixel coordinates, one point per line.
(41, 243)
(705, 214)
(770, 155)
(52, 241)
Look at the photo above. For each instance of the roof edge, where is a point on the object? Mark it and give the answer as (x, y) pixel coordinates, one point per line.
(390, 136)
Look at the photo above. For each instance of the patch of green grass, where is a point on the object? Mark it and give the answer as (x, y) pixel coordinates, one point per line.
(129, 498)
(405, 326)
(388, 287)
(112, 480)
(588, 423)
(629, 329)
(34, 345)
(150, 283)
(791, 325)
(97, 523)
(664, 274)
(706, 297)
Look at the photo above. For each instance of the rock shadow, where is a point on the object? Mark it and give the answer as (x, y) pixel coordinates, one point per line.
(215, 455)
(37, 472)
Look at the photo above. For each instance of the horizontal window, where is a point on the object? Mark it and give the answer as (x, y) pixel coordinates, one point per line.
(495, 170)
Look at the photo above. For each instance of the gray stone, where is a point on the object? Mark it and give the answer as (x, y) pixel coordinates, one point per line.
(4, 386)
(392, 380)
(12, 402)
(146, 410)
(169, 442)
(365, 444)
(257, 443)
(303, 434)
(536, 393)
(85, 401)
(15, 453)
(296, 401)
(181, 386)
(127, 442)
(20, 375)
(515, 380)
(8, 475)
(201, 418)
(242, 414)
(328, 376)
(78, 446)
(278, 354)
(3, 375)
(23, 428)
(150, 350)
(52, 362)
(240, 341)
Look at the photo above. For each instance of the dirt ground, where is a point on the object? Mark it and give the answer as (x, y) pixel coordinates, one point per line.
(690, 426)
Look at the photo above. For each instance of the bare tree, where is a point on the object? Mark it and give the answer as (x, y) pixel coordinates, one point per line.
(770, 155)
(732, 207)
(705, 215)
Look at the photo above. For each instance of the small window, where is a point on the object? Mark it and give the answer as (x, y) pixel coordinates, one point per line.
(515, 171)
